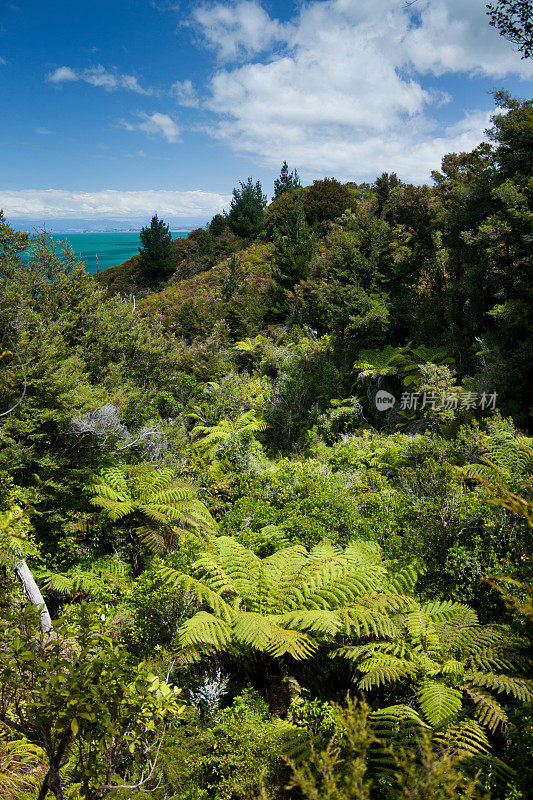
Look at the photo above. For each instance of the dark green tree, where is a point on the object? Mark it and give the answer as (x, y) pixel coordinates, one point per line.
(286, 181)
(326, 200)
(292, 255)
(156, 252)
(247, 211)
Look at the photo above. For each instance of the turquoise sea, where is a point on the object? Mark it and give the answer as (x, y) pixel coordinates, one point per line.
(112, 248)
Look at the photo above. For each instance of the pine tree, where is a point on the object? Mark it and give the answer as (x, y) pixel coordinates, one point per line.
(156, 250)
(293, 252)
(247, 213)
(286, 181)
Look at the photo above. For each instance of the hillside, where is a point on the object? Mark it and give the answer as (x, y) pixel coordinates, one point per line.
(266, 532)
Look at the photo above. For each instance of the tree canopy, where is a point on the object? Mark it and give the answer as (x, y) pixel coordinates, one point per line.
(246, 214)
(156, 253)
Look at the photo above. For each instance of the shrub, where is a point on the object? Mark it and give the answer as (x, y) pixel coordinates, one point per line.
(230, 756)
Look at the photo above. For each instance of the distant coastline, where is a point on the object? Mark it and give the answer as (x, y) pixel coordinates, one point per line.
(80, 225)
(102, 232)
(111, 246)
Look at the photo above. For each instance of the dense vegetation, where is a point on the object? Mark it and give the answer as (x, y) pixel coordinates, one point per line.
(275, 490)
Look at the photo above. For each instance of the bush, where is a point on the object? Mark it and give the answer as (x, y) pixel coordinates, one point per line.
(326, 200)
(230, 756)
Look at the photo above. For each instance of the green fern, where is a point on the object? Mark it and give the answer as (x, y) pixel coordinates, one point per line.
(454, 664)
(152, 503)
(286, 603)
(14, 537)
(505, 473)
(103, 574)
(211, 438)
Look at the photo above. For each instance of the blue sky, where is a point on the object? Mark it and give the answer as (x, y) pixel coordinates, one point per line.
(112, 110)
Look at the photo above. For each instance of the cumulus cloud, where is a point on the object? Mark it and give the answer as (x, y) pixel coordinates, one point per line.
(346, 86)
(48, 204)
(156, 124)
(62, 75)
(239, 29)
(110, 80)
(185, 94)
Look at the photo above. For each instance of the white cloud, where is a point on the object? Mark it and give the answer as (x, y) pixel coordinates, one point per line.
(156, 124)
(346, 86)
(43, 131)
(110, 80)
(62, 75)
(455, 36)
(238, 29)
(185, 94)
(48, 204)
(2, 61)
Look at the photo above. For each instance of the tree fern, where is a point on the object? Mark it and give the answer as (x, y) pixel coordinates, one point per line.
(439, 703)
(453, 663)
(21, 768)
(107, 572)
(211, 438)
(14, 539)
(504, 473)
(286, 603)
(152, 503)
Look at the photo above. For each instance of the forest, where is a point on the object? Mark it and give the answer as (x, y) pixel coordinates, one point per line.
(266, 498)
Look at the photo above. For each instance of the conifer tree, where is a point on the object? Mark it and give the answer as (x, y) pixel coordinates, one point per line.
(156, 250)
(246, 214)
(294, 251)
(286, 181)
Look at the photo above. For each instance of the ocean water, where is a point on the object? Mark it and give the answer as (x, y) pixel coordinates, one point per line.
(112, 248)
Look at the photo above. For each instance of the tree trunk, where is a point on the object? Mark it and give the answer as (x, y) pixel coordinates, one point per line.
(32, 592)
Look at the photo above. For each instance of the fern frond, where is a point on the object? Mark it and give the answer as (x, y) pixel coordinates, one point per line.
(391, 719)
(465, 738)
(293, 643)
(487, 710)
(403, 580)
(203, 593)
(324, 622)
(519, 688)
(439, 703)
(382, 670)
(205, 630)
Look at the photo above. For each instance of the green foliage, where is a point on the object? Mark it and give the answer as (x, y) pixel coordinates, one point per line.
(441, 648)
(504, 472)
(15, 541)
(358, 763)
(292, 255)
(286, 182)
(21, 768)
(229, 757)
(246, 214)
(151, 503)
(326, 200)
(156, 253)
(164, 395)
(83, 698)
(287, 602)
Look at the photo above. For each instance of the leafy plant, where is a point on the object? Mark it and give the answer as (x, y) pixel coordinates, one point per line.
(285, 603)
(450, 666)
(212, 437)
(152, 503)
(82, 698)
